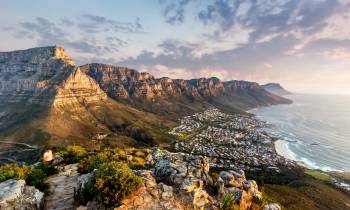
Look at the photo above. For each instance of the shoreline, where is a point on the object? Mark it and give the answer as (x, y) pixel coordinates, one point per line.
(280, 148)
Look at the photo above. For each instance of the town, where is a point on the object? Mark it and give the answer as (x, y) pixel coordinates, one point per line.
(230, 141)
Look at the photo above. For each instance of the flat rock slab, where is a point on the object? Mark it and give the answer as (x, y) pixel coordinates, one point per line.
(61, 189)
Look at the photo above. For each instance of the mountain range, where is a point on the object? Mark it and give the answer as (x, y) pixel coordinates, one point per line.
(45, 98)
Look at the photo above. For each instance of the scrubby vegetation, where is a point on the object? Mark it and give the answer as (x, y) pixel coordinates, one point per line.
(227, 202)
(135, 158)
(33, 175)
(114, 181)
(298, 188)
(72, 154)
(14, 171)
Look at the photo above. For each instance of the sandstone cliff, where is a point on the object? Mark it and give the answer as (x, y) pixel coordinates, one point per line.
(164, 94)
(45, 75)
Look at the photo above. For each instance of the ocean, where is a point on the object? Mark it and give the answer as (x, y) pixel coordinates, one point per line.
(314, 130)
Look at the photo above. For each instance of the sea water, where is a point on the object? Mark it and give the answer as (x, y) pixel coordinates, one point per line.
(314, 130)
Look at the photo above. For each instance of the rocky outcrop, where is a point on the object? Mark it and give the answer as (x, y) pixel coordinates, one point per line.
(153, 195)
(182, 181)
(15, 194)
(45, 75)
(275, 88)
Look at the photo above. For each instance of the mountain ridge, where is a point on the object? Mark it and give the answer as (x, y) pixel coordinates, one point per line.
(47, 99)
(129, 85)
(276, 88)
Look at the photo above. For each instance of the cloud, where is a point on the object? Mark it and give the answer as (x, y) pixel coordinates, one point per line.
(174, 11)
(266, 20)
(221, 12)
(228, 64)
(87, 36)
(94, 23)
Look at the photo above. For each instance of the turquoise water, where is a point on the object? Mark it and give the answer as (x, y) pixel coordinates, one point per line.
(315, 130)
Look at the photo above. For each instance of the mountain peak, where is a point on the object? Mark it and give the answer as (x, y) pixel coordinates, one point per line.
(36, 55)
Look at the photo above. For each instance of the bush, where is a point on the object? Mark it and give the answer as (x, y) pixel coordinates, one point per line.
(48, 169)
(227, 202)
(91, 162)
(137, 163)
(36, 178)
(33, 175)
(114, 181)
(72, 154)
(14, 171)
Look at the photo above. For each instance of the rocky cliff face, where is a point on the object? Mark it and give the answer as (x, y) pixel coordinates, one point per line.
(127, 84)
(42, 91)
(45, 75)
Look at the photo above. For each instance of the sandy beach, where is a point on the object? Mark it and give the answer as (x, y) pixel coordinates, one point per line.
(281, 148)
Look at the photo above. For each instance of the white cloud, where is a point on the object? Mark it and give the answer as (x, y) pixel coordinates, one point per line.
(340, 53)
(337, 28)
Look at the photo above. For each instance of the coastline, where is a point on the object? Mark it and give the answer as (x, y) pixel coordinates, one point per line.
(281, 148)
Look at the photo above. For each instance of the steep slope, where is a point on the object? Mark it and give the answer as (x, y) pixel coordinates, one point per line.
(46, 99)
(276, 88)
(174, 96)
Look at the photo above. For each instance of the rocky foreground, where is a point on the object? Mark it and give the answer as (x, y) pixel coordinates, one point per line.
(173, 181)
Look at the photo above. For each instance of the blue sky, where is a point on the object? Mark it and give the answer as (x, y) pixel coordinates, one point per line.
(305, 45)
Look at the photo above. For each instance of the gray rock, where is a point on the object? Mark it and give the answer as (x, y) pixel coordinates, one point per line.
(15, 194)
(272, 206)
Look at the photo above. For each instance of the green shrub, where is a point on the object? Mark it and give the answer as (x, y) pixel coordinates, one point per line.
(14, 171)
(36, 178)
(137, 163)
(91, 162)
(114, 181)
(122, 155)
(227, 202)
(72, 154)
(48, 169)
(33, 175)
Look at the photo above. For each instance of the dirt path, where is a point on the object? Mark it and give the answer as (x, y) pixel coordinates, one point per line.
(60, 194)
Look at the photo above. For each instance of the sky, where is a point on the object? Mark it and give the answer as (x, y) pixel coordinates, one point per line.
(302, 44)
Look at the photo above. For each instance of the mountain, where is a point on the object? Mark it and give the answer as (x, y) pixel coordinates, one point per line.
(46, 99)
(174, 96)
(276, 88)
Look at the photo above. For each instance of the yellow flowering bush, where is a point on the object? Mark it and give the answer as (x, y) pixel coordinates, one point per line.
(114, 181)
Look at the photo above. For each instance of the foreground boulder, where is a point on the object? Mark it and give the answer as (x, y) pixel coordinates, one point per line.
(15, 194)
